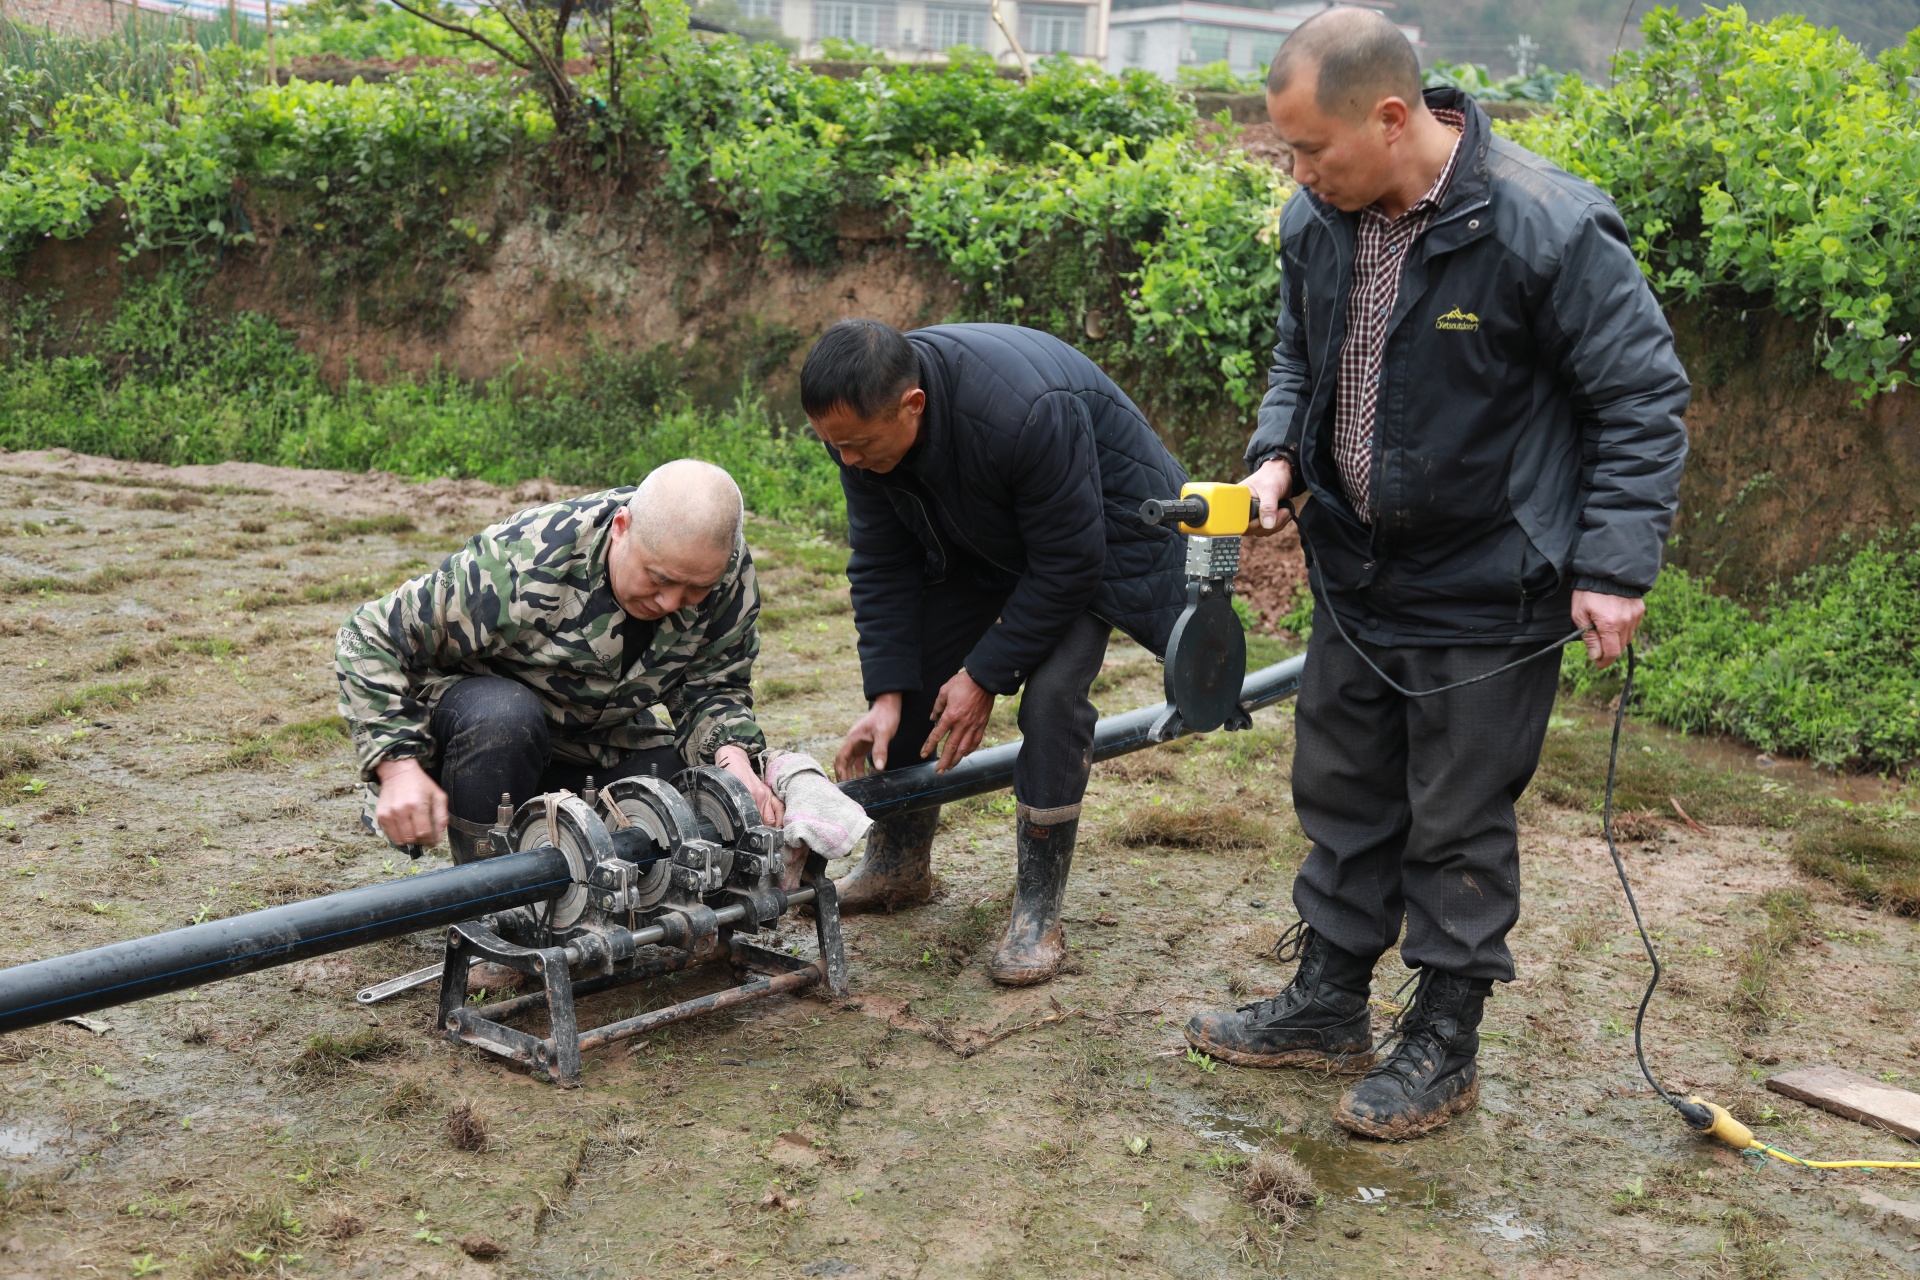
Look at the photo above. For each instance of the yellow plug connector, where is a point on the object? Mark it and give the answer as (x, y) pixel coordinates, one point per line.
(1725, 1127)
(1740, 1138)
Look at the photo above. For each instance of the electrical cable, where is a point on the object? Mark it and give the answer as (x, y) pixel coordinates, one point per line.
(1701, 1116)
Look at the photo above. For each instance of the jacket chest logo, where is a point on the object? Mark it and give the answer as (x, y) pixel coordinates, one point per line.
(1458, 321)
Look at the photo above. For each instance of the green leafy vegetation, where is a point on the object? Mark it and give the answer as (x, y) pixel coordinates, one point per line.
(1777, 161)
(1828, 668)
(1472, 78)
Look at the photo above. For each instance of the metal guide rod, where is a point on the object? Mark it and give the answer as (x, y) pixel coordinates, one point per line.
(59, 987)
(991, 768)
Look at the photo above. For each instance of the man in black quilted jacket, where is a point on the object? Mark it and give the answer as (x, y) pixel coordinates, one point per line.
(1475, 385)
(994, 477)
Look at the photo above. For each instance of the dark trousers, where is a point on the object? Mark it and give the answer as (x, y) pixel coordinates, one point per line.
(494, 741)
(1056, 714)
(1409, 801)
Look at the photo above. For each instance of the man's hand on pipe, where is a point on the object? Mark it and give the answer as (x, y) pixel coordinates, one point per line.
(960, 716)
(1271, 484)
(412, 808)
(734, 759)
(1610, 622)
(868, 738)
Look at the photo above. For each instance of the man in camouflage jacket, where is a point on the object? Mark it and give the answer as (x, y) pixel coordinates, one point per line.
(537, 654)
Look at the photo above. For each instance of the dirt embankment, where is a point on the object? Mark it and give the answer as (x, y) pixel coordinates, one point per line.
(1786, 461)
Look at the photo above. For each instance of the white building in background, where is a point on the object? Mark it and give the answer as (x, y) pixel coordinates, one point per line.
(927, 28)
(1163, 38)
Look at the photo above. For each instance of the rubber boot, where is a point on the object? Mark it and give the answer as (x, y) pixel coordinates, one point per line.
(1320, 1020)
(468, 841)
(1035, 945)
(897, 870)
(1432, 1075)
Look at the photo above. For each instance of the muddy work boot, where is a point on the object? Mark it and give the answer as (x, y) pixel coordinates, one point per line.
(1431, 1076)
(1320, 1020)
(1035, 945)
(897, 870)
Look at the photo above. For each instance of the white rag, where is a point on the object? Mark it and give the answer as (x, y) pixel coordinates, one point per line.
(819, 814)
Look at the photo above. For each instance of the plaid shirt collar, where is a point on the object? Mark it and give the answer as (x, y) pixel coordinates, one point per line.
(1430, 202)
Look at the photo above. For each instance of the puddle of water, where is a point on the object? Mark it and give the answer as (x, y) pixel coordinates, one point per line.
(20, 1141)
(1504, 1226)
(1344, 1170)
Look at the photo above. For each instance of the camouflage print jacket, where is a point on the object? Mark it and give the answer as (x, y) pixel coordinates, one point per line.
(529, 599)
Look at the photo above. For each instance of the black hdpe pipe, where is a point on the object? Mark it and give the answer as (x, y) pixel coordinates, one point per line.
(919, 787)
(62, 986)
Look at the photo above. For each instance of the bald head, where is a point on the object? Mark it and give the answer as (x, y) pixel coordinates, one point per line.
(1359, 57)
(687, 505)
(673, 540)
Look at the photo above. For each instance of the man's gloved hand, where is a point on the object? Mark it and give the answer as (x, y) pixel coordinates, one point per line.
(960, 716)
(412, 808)
(868, 738)
(1611, 620)
(735, 760)
(1271, 484)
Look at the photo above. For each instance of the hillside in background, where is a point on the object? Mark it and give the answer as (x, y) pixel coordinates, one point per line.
(1580, 35)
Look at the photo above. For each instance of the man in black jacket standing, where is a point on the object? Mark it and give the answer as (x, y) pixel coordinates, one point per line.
(1476, 387)
(993, 477)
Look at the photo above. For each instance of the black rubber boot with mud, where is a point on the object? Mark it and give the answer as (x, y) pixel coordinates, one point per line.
(1320, 1020)
(1431, 1076)
(897, 870)
(1035, 945)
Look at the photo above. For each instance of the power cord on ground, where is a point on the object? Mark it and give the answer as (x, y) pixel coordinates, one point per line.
(1702, 1117)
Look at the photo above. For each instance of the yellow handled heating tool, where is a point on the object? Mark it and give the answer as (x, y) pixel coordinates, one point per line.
(1207, 652)
(1211, 510)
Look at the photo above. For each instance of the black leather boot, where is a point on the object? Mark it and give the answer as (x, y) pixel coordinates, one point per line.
(1035, 945)
(897, 870)
(1320, 1020)
(1431, 1076)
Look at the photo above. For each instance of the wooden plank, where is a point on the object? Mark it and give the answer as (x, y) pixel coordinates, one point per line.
(1846, 1093)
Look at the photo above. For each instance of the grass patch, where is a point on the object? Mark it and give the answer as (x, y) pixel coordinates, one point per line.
(331, 1055)
(1762, 965)
(780, 617)
(1652, 774)
(263, 1234)
(1874, 866)
(308, 737)
(354, 587)
(827, 1098)
(338, 530)
(1198, 827)
(176, 502)
(950, 944)
(1279, 1187)
(467, 1129)
(95, 583)
(97, 697)
(407, 1098)
(780, 687)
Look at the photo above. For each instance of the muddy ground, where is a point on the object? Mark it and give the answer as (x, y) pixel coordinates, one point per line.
(169, 753)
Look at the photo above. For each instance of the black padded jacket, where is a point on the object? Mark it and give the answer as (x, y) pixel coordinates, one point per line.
(1031, 464)
(1529, 437)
